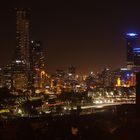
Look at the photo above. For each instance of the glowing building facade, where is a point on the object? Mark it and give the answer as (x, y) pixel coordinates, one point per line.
(37, 64)
(133, 52)
(20, 63)
(124, 78)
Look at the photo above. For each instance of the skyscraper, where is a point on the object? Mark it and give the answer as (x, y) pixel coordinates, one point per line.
(107, 77)
(36, 55)
(37, 64)
(131, 39)
(20, 63)
(136, 52)
(71, 72)
(22, 34)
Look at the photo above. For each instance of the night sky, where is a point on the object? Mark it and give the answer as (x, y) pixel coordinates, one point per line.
(89, 35)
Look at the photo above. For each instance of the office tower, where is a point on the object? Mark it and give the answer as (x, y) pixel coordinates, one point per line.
(36, 55)
(72, 69)
(107, 77)
(22, 35)
(20, 63)
(71, 72)
(136, 52)
(131, 39)
(37, 64)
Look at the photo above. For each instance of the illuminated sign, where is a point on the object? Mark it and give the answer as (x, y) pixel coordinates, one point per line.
(136, 50)
(131, 34)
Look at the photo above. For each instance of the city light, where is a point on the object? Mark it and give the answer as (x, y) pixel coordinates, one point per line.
(74, 78)
(64, 90)
(18, 61)
(131, 34)
(136, 50)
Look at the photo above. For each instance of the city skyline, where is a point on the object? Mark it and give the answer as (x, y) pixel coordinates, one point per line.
(91, 37)
(69, 70)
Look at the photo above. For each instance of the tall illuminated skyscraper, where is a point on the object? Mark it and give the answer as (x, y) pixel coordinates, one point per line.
(37, 64)
(20, 63)
(36, 55)
(131, 39)
(136, 52)
(22, 34)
